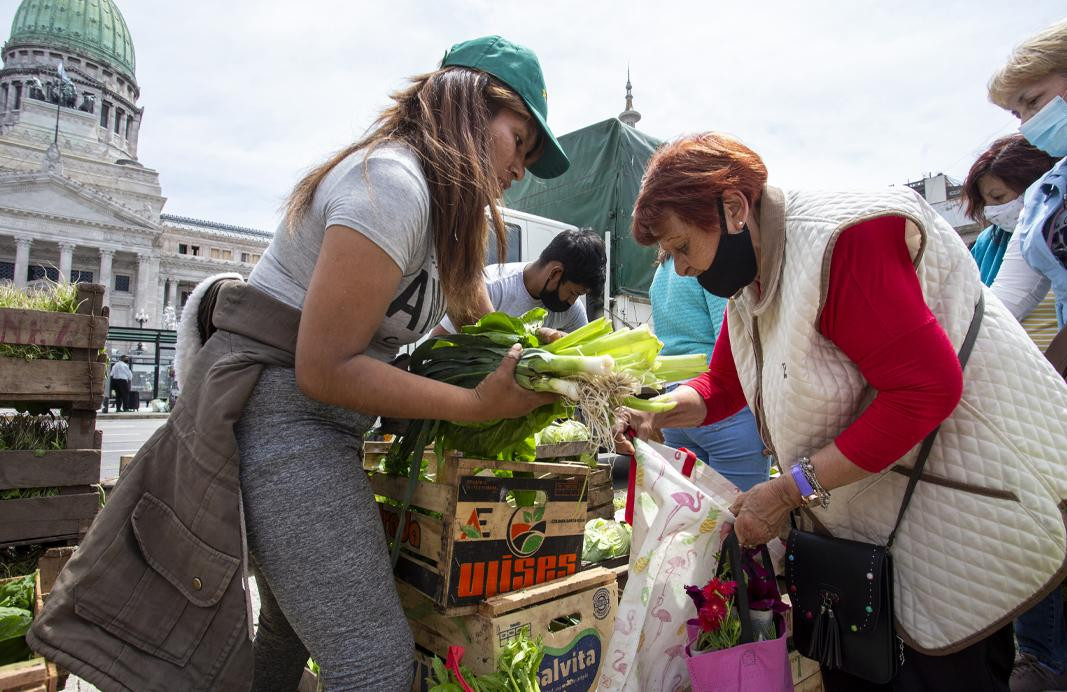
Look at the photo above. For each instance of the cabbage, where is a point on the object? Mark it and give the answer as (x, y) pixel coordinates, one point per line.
(605, 539)
(569, 430)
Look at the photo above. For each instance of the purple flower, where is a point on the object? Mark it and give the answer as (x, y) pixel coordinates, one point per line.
(697, 594)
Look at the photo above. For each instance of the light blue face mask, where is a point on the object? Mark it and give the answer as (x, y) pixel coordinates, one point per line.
(1047, 129)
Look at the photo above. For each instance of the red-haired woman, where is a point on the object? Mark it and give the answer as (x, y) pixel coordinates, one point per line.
(845, 316)
(994, 192)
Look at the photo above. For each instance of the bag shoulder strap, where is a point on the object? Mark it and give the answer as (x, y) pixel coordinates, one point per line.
(928, 443)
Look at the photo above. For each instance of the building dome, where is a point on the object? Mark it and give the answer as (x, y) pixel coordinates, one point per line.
(92, 28)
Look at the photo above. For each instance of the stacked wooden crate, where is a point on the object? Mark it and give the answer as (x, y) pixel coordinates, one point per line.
(77, 388)
(38, 674)
(484, 558)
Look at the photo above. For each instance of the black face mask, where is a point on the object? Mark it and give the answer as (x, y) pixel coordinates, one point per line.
(734, 266)
(551, 299)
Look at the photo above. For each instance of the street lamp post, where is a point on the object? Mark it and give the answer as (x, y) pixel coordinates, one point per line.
(141, 317)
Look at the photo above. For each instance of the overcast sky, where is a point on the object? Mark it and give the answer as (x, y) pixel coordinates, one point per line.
(241, 96)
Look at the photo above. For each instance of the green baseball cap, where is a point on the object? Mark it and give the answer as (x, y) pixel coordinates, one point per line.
(518, 67)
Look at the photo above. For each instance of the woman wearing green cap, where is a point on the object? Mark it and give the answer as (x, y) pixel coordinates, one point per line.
(378, 243)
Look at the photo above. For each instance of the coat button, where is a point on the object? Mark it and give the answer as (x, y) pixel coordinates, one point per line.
(197, 584)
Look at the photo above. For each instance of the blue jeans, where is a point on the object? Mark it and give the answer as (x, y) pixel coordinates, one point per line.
(1042, 632)
(732, 447)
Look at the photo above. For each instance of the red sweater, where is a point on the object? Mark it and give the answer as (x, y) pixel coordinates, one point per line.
(876, 314)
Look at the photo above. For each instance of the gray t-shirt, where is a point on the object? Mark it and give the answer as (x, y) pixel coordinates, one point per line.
(388, 201)
(507, 293)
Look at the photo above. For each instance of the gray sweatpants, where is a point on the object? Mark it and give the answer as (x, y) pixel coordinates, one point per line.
(317, 546)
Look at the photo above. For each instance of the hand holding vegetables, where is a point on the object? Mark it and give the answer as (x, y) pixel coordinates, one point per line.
(500, 396)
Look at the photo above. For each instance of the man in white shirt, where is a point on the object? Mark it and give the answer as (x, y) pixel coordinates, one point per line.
(571, 266)
(121, 375)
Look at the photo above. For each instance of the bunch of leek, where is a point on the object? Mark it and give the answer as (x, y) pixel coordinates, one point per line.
(594, 368)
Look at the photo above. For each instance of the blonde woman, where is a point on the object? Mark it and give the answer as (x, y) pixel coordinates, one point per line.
(1033, 86)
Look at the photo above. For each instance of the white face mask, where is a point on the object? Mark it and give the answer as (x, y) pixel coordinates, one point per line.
(1005, 215)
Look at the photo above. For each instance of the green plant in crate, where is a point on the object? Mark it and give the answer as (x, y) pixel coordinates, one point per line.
(36, 433)
(517, 670)
(52, 297)
(16, 616)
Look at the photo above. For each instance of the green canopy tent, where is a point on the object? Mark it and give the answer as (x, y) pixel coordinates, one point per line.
(598, 192)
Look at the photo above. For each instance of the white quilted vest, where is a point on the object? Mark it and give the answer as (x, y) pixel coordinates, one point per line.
(984, 533)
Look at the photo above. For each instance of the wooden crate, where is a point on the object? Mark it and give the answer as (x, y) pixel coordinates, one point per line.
(38, 674)
(464, 542)
(573, 654)
(65, 516)
(75, 386)
(78, 382)
(807, 676)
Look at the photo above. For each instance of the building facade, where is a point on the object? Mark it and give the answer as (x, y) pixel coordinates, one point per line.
(75, 202)
(946, 196)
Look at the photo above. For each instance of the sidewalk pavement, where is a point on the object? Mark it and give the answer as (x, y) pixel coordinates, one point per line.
(130, 415)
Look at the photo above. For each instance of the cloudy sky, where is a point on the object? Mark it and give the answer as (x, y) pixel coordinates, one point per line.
(240, 96)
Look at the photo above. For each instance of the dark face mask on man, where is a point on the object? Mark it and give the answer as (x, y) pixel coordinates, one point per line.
(734, 265)
(551, 299)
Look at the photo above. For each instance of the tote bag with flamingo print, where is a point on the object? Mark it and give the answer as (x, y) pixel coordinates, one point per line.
(677, 507)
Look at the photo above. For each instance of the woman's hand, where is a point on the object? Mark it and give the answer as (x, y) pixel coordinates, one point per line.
(500, 396)
(639, 422)
(761, 512)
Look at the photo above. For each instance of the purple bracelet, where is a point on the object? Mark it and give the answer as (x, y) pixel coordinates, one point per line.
(806, 491)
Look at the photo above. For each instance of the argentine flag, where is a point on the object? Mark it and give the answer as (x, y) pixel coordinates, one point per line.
(63, 73)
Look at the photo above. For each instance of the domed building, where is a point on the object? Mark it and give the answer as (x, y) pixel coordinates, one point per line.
(75, 201)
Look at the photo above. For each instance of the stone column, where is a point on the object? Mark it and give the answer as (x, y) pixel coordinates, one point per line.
(106, 255)
(22, 259)
(155, 296)
(142, 298)
(172, 294)
(66, 254)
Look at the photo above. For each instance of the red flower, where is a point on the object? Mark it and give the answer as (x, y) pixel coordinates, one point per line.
(713, 603)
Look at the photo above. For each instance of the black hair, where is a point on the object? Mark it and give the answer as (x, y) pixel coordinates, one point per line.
(582, 255)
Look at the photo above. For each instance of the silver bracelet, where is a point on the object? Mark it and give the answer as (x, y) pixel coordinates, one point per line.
(822, 494)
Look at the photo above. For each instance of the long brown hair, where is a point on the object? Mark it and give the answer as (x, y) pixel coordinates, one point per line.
(444, 117)
(1012, 159)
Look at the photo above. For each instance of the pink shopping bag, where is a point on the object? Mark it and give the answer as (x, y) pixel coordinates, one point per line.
(755, 667)
(751, 666)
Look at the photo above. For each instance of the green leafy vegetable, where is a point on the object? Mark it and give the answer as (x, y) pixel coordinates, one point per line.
(14, 623)
(18, 592)
(605, 539)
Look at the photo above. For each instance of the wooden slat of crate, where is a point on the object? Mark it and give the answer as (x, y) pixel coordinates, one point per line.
(27, 676)
(50, 565)
(462, 466)
(57, 381)
(600, 495)
(602, 512)
(25, 469)
(804, 669)
(81, 430)
(429, 543)
(431, 496)
(56, 329)
(36, 519)
(581, 581)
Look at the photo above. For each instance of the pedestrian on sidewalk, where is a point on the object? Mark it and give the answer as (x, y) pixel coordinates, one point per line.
(121, 377)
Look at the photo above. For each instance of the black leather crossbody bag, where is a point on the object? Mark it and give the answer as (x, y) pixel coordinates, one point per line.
(842, 590)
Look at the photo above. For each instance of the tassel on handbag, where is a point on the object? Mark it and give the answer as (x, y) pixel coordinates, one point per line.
(826, 636)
